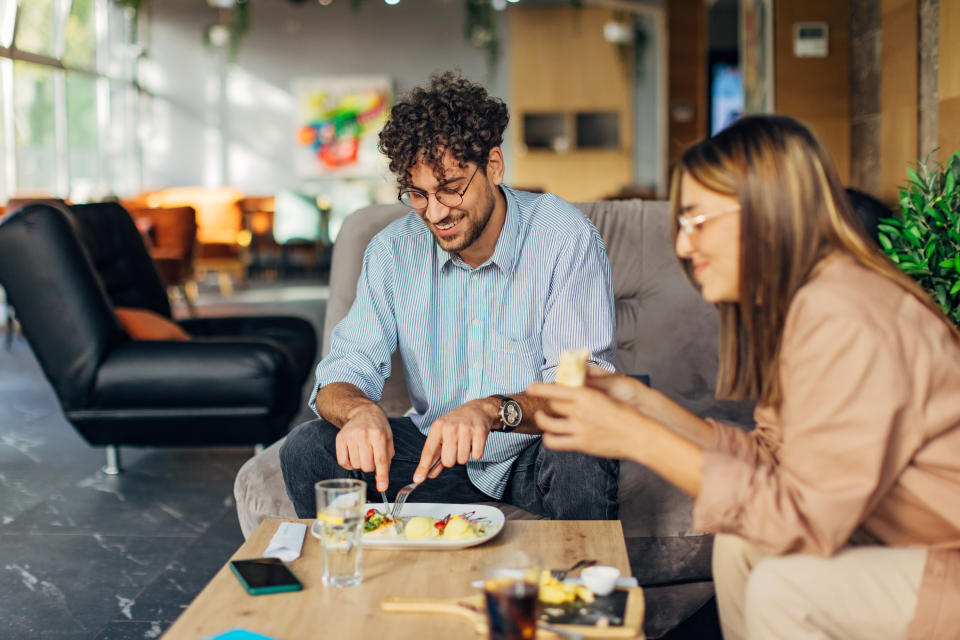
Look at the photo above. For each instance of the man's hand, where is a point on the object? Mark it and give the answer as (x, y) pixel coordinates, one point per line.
(458, 436)
(365, 442)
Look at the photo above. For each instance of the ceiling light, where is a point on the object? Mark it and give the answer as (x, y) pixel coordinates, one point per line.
(392, 1)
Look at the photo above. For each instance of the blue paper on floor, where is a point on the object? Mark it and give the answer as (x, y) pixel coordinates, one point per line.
(240, 634)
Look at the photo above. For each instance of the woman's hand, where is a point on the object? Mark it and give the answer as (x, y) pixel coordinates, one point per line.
(589, 420)
(593, 420)
(652, 404)
(620, 387)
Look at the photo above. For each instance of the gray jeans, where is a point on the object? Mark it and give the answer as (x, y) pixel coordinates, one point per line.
(555, 484)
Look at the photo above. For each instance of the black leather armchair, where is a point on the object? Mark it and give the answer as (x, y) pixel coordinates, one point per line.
(238, 381)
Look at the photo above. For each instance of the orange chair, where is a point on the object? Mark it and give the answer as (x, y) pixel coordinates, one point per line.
(221, 238)
(258, 213)
(172, 233)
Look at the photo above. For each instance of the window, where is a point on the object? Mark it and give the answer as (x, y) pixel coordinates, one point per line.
(8, 11)
(69, 99)
(80, 50)
(35, 123)
(6, 166)
(86, 174)
(35, 27)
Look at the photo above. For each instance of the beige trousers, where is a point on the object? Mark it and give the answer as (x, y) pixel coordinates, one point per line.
(861, 592)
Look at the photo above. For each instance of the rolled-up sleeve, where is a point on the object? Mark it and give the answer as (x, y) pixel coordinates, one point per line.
(363, 342)
(580, 311)
(843, 394)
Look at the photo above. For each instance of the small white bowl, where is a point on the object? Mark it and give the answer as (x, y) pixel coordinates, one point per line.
(601, 580)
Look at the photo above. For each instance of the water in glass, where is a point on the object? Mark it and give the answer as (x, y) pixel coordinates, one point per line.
(340, 515)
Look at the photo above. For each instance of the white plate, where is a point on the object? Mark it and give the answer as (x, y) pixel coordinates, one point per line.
(491, 517)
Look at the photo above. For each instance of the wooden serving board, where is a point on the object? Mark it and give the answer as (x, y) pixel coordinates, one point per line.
(474, 609)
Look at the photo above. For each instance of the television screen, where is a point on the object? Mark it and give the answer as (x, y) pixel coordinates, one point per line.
(726, 95)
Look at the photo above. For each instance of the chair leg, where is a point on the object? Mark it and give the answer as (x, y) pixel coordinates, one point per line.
(9, 338)
(191, 290)
(226, 283)
(112, 468)
(185, 292)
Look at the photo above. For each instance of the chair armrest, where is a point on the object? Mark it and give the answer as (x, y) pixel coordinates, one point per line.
(194, 373)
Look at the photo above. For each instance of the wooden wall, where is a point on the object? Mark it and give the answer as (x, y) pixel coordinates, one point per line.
(948, 113)
(687, 64)
(560, 62)
(816, 91)
(899, 93)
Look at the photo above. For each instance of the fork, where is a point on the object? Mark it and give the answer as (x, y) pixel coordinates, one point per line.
(405, 492)
(561, 574)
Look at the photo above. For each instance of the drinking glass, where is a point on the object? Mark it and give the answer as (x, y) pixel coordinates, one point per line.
(511, 585)
(340, 516)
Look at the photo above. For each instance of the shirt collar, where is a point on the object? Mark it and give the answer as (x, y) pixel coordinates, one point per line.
(505, 252)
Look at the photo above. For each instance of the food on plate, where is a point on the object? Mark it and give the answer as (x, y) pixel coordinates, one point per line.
(556, 592)
(572, 370)
(452, 527)
(379, 525)
(420, 528)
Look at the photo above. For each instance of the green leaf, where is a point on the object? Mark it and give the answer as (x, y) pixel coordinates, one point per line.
(888, 229)
(940, 293)
(955, 289)
(885, 242)
(950, 183)
(947, 264)
(914, 178)
(930, 211)
(956, 262)
(893, 222)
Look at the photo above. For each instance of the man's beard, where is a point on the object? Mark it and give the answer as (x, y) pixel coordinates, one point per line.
(472, 234)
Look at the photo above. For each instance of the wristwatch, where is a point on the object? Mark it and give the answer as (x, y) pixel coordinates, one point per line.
(510, 413)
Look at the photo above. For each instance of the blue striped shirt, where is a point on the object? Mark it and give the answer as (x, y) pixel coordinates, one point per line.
(466, 333)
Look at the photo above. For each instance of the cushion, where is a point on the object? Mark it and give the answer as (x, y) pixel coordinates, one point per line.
(141, 324)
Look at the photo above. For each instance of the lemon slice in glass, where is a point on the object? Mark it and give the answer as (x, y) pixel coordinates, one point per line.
(328, 518)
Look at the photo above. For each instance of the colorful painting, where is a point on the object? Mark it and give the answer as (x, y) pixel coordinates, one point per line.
(338, 120)
(756, 51)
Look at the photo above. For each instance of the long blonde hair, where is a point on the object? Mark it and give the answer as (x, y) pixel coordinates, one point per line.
(794, 212)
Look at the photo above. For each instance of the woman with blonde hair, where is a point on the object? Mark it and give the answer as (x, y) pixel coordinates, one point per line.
(839, 514)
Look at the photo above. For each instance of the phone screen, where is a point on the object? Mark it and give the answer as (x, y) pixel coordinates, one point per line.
(265, 575)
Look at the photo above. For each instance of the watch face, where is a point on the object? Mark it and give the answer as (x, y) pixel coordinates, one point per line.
(510, 413)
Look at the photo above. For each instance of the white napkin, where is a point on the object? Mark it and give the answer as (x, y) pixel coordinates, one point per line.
(286, 542)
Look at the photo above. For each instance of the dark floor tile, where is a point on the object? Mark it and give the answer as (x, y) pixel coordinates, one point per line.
(132, 631)
(54, 583)
(127, 504)
(166, 597)
(145, 543)
(195, 466)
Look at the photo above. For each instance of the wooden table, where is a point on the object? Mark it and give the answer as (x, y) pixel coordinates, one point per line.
(354, 612)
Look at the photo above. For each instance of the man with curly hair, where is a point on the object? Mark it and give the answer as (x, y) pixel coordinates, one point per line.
(480, 287)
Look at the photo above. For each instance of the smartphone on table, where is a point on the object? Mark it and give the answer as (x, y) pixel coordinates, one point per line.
(265, 575)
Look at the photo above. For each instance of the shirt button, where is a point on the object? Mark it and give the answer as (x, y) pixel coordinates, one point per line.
(476, 365)
(476, 322)
(474, 277)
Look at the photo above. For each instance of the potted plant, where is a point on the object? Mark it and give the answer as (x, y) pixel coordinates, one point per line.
(924, 240)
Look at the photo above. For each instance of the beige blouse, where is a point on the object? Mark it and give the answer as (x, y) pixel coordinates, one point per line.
(867, 435)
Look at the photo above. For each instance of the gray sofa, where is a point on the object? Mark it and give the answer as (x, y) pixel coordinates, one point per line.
(664, 330)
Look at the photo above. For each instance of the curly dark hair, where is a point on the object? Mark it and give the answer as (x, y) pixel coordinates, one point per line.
(450, 114)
